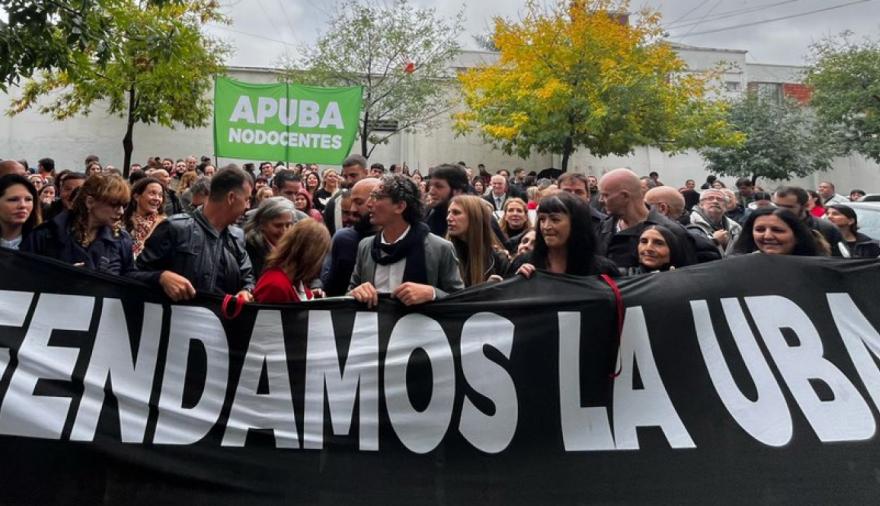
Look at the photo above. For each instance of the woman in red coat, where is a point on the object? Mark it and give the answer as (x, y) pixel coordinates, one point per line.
(293, 264)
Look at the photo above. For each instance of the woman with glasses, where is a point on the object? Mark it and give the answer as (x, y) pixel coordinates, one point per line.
(91, 234)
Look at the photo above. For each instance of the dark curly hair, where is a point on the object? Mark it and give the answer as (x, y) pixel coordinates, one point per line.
(403, 189)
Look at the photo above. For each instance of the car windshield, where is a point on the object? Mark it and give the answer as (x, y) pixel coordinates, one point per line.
(869, 221)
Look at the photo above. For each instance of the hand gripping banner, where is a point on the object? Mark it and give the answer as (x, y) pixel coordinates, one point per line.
(751, 380)
(288, 122)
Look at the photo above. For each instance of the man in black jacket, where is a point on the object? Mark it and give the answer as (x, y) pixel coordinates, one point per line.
(202, 251)
(618, 237)
(339, 264)
(795, 200)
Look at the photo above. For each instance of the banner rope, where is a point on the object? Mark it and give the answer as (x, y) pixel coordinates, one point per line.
(621, 314)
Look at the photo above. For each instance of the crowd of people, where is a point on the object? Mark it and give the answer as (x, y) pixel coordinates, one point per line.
(277, 233)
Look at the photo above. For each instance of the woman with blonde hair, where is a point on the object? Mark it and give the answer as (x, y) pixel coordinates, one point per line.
(329, 187)
(91, 234)
(294, 263)
(469, 229)
(515, 223)
(187, 180)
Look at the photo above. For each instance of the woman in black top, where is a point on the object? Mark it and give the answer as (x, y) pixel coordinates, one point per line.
(476, 246)
(91, 234)
(859, 244)
(565, 242)
(515, 223)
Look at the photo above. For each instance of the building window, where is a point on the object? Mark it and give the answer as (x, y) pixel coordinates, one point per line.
(732, 86)
(771, 92)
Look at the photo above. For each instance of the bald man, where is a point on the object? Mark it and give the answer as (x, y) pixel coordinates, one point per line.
(12, 167)
(621, 192)
(667, 201)
(340, 262)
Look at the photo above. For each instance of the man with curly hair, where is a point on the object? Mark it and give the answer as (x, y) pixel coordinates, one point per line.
(404, 259)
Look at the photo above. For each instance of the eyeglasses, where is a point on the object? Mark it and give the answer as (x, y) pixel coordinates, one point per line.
(377, 195)
(116, 203)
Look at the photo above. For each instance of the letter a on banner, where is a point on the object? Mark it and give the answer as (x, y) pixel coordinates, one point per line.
(285, 121)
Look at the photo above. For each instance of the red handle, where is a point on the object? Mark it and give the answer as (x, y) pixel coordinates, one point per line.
(621, 314)
(224, 308)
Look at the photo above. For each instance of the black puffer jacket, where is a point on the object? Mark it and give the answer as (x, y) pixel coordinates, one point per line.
(864, 247)
(188, 245)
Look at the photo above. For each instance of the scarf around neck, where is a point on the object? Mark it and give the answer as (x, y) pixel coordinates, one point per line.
(411, 248)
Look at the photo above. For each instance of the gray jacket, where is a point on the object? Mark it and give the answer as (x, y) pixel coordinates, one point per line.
(441, 265)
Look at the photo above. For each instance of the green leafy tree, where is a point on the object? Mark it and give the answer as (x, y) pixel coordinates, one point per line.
(43, 34)
(782, 141)
(846, 92)
(159, 71)
(400, 55)
(579, 76)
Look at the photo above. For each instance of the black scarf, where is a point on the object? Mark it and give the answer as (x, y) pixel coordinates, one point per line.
(411, 247)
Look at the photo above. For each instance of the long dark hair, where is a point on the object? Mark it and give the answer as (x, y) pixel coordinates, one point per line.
(804, 242)
(581, 246)
(849, 213)
(136, 191)
(677, 255)
(36, 216)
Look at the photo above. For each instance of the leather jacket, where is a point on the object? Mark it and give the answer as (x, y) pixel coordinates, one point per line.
(214, 262)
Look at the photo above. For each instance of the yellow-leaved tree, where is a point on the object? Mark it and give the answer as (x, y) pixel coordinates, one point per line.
(580, 75)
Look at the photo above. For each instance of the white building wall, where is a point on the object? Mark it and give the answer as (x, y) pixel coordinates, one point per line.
(31, 135)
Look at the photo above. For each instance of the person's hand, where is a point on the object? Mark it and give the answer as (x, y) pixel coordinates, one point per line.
(526, 270)
(495, 278)
(721, 237)
(413, 293)
(176, 287)
(317, 293)
(245, 296)
(366, 293)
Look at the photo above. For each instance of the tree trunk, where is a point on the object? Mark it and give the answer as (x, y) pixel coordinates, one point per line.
(127, 144)
(567, 150)
(364, 133)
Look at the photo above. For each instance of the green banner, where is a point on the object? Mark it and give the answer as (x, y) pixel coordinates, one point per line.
(287, 122)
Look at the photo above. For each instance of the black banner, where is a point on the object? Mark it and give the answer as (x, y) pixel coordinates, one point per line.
(753, 379)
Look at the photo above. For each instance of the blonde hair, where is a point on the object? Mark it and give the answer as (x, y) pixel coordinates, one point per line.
(301, 251)
(525, 208)
(475, 248)
(187, 180)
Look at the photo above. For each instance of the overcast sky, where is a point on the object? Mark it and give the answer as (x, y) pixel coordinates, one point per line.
(261, 30)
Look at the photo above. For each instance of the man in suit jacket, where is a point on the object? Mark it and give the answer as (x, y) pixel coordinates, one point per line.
(499, 194)
(404, 259)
